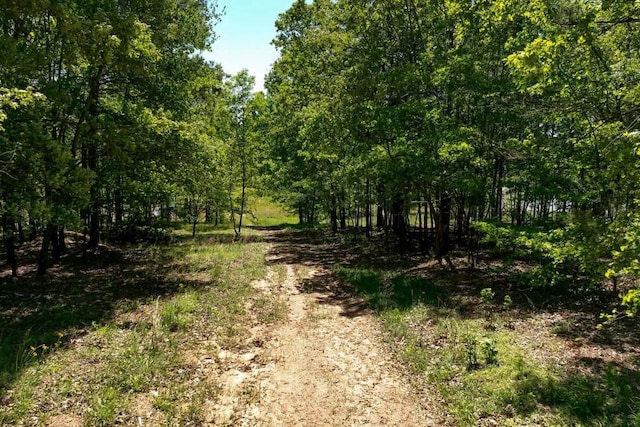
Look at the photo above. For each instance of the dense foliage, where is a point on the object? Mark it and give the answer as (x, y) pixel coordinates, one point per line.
(112, 120)
(437, 122)
(512, 120)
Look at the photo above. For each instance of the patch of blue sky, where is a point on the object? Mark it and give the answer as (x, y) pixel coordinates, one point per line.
(244, 36)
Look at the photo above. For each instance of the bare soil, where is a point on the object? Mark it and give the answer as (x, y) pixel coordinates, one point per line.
(324, 364)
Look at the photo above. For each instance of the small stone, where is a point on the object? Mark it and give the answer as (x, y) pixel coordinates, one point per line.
(248, 357)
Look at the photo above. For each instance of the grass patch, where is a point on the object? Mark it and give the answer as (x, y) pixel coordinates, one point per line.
(488, 372)
(263, 212)
(106, 335)
(269, 309)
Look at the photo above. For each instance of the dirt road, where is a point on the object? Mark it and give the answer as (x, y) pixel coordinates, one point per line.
(325, 364)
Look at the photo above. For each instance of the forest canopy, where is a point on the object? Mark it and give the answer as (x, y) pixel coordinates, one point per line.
(514, 122)
(112, 119)
(466, 178)
(439, 123)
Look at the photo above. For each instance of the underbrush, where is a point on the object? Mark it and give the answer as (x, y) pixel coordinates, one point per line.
(135, 233)
(119, 345)
(495, 365)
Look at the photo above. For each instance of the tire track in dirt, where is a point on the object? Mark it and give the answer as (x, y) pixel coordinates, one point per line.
(322, 366)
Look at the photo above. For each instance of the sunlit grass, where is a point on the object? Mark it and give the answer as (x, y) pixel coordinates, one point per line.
(264, 212)
(261, 211)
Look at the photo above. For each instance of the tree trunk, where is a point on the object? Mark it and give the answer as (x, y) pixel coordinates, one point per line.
(118, 207)
(56, 250)
(380, 216)
(343, 211)
(207, 213)
(399, 224)
(385, 224)
(499, 189)
(460, 218)
(33, 230)
(21, 237)
(495, 200)
(334, 214)
(367, 213)
(422, 228)
(89, 112)
(43, 259)
(94, 223)
(195, 222)
(242, 201)
(63, 243)
(312, 211)
(231, 208)
(442, 215)
(91, 163)
(9, 243)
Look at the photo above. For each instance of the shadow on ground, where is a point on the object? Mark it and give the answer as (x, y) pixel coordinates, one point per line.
(349, 266)
(600, 384)
(38, 315)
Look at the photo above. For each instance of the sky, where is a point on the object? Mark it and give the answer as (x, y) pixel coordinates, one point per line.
(244, 36)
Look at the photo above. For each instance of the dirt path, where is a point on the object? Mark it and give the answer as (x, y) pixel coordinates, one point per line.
(324, 365)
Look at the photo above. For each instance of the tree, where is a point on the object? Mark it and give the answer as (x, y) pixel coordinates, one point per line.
(115, 80)
(483, 111)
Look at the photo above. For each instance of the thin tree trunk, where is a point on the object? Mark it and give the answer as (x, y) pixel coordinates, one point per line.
(94, 216)
(56, 251)
(9, 243)
(43, 259)
(90, 111)
(399, 222)
(334, 214)
(242, 201)
(230, 195)
(368, 210)
(207, 213)
(385, 221)
(442, 216)
(380, 214)
(62, 241)
(312, 212)
(422, 235)
(343, 212)
(500, 175)
(195, 218)
(460, 218)
(21, 236)
(33, 230)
